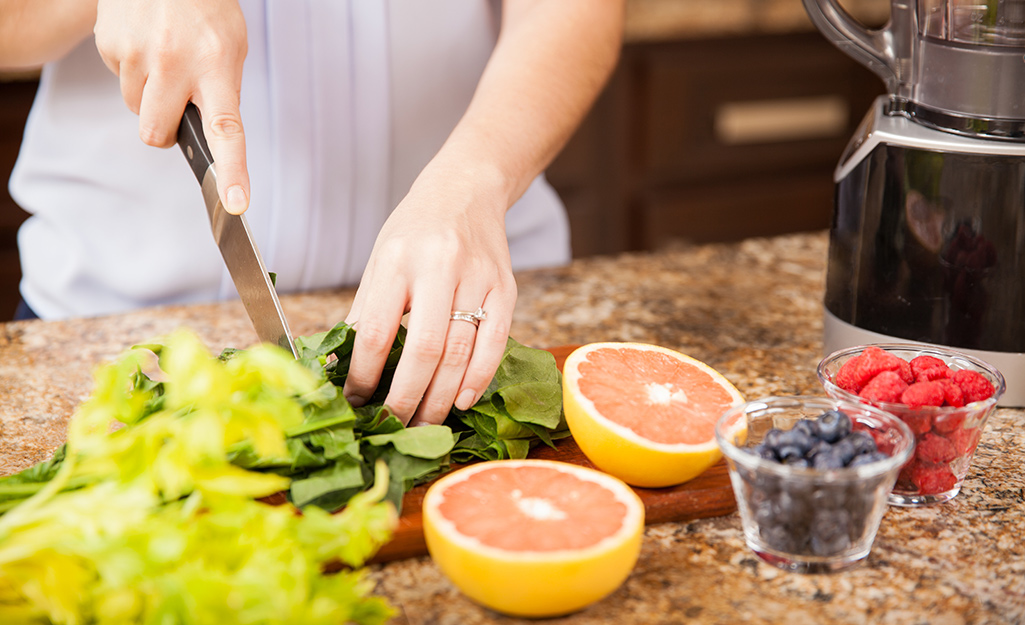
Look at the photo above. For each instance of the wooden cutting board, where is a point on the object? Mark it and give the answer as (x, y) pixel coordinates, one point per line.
(707, 495)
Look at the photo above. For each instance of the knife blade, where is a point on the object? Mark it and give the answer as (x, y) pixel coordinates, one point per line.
(235, 240)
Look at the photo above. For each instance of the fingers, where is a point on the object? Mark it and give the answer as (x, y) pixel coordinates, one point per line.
(425, 345)
(166, 54)
(491, 338)
(470, 356)
(378, 322)
(443, 359)
(160, 108)
(458, 346)
(222, 124)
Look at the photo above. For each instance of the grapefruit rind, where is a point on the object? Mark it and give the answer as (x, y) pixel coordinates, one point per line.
(620, 451)
(534, 583)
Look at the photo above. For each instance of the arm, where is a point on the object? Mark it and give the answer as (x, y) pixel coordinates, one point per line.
(552, 59)
(444, 246)
(34, 32)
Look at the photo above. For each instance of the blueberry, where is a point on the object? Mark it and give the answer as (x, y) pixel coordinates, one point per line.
(771, 439)
(797, 461)
(829, 496)
(845, 450)
(862, 441)
(869, 458)
(763, 513)
(790, 509)
(830, 546)
(789, 452)
(762, 451)
(819, 447)
(830, 531)
(828, 460)
(780, 538)
(807, 427)
(794, 438)
(798, 489)
(833, 425)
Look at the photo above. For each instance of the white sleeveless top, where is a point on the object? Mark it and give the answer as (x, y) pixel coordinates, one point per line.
(343, 101)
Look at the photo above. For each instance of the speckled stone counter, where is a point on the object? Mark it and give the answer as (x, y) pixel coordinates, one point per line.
(751, 310)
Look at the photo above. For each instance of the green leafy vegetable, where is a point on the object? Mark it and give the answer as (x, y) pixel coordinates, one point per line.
(154, 524)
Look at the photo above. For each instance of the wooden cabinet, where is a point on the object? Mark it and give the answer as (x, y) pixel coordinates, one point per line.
(15, 100)
(712, 140)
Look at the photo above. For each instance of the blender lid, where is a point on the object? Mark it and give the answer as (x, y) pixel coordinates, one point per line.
(956, 65)
(881, 126)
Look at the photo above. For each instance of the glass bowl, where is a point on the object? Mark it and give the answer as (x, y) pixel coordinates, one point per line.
(945, 437)
(809, 520)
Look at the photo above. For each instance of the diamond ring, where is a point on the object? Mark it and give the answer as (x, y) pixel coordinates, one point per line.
(474, 317)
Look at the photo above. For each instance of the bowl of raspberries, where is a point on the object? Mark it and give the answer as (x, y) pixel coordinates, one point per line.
(811, 476)
(943, 396)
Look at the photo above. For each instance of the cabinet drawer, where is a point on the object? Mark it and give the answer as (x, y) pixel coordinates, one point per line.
(749, 106)
(746, 208)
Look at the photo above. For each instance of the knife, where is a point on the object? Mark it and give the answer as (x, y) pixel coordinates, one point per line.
(235, 240)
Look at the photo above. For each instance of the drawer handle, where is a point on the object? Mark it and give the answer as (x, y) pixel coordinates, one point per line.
(765, 121)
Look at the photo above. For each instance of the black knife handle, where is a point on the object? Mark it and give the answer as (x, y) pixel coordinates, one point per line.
(192, 141)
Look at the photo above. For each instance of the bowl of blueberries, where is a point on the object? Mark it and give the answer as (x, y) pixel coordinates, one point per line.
(811, 476)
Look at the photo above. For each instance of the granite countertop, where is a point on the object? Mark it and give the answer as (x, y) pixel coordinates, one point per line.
(751, 310)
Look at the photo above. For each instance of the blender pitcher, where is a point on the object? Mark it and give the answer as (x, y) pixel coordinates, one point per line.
(927, 242)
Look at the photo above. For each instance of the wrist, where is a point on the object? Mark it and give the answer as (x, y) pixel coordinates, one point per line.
(485, 184)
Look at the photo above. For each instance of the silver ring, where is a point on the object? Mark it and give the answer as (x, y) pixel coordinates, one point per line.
(474, 317)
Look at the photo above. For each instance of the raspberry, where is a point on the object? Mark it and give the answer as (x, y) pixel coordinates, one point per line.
(887, 387)
(964, 440)
(948, 423)
(935, 449)
(952, 395)
(924, 363)
(923, 394)
(919, 423)
(848, 378)
(858, 371)
(935, 373)
(975, 386)
(904, 481)
(932, 480)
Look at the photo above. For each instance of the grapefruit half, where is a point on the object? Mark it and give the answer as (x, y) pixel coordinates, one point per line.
(533, 538)
(644, 413)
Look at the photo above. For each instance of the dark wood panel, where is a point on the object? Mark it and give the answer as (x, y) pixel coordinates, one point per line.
(15, 102)
(687, 85)
(764, 206)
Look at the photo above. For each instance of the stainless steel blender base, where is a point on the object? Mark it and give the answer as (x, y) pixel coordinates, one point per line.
(838, 334)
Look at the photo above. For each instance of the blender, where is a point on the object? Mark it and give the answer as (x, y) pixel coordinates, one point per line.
(927, 242)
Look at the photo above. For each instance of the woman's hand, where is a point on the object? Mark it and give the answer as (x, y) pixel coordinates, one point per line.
(168, 52)
(443, 249)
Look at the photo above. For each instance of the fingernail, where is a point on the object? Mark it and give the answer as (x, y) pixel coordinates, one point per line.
(466, 399)
(236, 201)
(355, 400)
